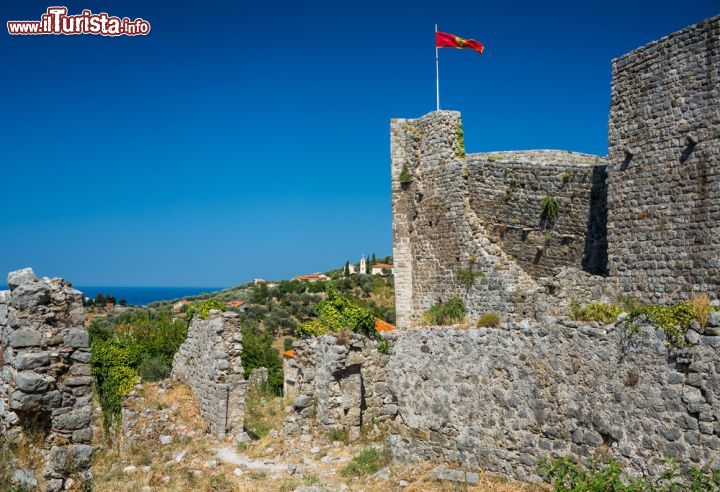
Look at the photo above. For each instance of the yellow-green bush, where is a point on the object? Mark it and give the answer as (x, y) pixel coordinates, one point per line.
(489, 320)
(203, 308)
(141, 342)
(337, 314)
(673, 320)
(597, 311)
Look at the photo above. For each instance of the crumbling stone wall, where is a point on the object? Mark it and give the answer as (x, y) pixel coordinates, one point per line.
(482, 213)
(341, 385)
(45, 382)
(209, 362)
(501, 400)
(664, 177)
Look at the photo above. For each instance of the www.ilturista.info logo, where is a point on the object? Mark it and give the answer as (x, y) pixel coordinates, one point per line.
(57, 21)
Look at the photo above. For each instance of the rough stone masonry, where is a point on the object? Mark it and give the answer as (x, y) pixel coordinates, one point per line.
(45, 383)
(473, 225)
(503, 399)
(209, 361)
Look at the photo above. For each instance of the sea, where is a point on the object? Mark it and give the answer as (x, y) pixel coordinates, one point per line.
(142, 296)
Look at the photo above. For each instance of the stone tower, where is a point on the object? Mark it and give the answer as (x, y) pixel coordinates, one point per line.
(363, 266)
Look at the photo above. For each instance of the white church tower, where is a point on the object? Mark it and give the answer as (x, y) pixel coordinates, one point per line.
(363, 266)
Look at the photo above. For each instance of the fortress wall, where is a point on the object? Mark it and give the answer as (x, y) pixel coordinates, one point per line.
(507, 191)
(209, 361)
(482, 213)
(501, 400)
(45, 382)
(664, 190)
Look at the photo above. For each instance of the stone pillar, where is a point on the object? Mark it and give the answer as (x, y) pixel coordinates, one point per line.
(45, 384)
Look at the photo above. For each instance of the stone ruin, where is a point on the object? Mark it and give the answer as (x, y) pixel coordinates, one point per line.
(45, 383)
(644, 221)
(209, 362)
(340, 383)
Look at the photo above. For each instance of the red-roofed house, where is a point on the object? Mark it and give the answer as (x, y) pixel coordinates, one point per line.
(377, 269)
(236, 304)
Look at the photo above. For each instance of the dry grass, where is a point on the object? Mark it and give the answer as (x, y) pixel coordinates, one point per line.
(416, 477)
(264, 412)
(700, 304)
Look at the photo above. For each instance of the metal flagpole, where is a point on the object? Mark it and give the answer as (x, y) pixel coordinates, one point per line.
(437, 73)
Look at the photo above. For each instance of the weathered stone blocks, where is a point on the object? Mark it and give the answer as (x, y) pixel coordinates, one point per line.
(209, 361)
(44, 383)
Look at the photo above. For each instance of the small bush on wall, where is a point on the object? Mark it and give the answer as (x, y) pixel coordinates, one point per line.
(446, 313)
(597, 311)
(549, 207)
(468, 277)
(405, 176)
(489, 320)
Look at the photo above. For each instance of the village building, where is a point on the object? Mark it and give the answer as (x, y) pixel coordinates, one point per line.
(312, 277)
(381, 269)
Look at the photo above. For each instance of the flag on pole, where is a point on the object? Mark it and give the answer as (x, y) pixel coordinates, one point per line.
(446, 40)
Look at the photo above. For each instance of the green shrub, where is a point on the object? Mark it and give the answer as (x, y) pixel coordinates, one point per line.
(405, 176)
(339, 434)
(259, 352)
(114, 376)
(489, 320)
(153, 369)
(549, 207)
(368, 461)
(597, 311)
(467, 277)
(674, 320)
(336, 314)
(202, 309)
(287, 343)
(142, 342)
(446, 313)
(567, 476)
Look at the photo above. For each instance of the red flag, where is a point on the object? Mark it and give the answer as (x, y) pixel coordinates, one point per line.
(446, 40)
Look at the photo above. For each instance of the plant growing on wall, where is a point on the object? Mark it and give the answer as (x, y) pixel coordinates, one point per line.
(549, 207)
(202, 309)
(405, 177)
(446, 313)
(489, 320)
(459, 140)
(468, 277)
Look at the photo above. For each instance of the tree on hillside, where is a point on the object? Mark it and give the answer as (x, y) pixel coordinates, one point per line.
(346, 272)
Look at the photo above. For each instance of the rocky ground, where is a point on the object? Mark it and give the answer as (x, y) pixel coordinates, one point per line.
(163, 446)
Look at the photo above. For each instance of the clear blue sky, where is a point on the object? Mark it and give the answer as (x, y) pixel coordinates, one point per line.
(242, 140)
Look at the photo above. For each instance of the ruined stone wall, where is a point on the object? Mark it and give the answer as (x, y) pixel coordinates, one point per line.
(482, 213)
(664, 173)
(500, 400)
(209, 361)
(340, 384)
(45, 383)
